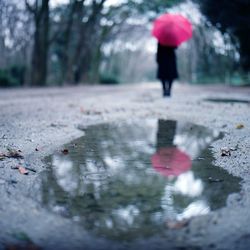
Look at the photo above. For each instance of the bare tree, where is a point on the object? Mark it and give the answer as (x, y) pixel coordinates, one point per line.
(40, 12)
(88, 18)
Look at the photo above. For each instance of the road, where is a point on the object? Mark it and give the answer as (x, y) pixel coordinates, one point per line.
(39, 121)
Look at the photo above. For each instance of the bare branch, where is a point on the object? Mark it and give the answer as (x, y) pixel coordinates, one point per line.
(30, 8)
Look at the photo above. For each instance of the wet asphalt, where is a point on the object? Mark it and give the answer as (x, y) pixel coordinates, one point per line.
(37, 122)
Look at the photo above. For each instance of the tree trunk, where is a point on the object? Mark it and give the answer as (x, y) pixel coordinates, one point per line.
(75, 7)
(41, 45)
(80, 62)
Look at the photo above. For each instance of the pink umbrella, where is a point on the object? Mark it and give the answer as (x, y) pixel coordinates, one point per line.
(172, 29)
(171, 161)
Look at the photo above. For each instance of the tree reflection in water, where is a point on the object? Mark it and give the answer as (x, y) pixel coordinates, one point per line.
(108, 184)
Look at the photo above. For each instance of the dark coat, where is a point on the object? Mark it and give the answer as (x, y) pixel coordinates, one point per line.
(165, 134)
(166, 59)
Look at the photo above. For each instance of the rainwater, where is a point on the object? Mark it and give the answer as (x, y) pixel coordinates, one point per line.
(227, 100)
(114, 183)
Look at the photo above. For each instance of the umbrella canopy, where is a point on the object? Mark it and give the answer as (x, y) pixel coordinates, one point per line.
(171, 161)
(172, 29)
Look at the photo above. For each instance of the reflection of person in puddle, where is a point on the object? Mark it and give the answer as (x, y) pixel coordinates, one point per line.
(169, 160)
(174, 164)
(165, 133)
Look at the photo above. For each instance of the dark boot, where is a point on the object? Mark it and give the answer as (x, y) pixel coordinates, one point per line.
(168, 88)
(167, 93)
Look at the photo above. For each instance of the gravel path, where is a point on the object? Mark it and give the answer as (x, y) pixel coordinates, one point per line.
(40, 121)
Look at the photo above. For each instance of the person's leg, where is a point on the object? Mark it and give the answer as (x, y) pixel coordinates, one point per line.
(168, 88)
(164, 89)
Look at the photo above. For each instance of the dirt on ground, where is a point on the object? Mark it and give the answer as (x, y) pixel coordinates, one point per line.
(36, 122)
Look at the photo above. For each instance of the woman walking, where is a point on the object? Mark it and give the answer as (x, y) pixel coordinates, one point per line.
(170, 30)
(167, 68)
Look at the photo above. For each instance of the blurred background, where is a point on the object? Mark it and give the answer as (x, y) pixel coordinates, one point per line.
(69, 42)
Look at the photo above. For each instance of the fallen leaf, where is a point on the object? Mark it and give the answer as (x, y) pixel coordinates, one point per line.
(23, 170)
(13, 153)
(225, 151)
(240, 126)
(65, 151)
(2, 156)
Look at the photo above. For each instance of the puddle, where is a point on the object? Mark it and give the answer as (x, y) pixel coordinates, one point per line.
(124, 181)
(227, 100)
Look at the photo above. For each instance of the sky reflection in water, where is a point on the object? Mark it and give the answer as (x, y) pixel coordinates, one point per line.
(108, 184)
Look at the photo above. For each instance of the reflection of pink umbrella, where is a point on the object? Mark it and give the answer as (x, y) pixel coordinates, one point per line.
(171, 161)
(172, 29)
